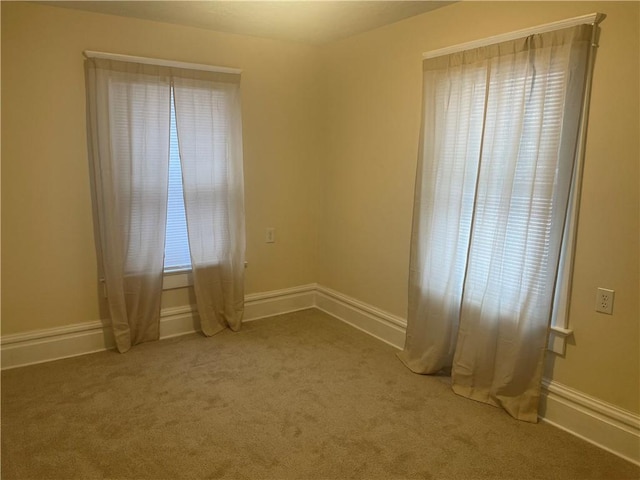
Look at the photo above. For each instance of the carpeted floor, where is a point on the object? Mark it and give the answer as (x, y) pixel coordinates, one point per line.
(295, 396)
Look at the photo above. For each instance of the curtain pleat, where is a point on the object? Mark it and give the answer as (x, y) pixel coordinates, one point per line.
(498, 147)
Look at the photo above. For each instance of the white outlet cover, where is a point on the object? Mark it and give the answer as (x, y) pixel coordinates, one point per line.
(604, 300)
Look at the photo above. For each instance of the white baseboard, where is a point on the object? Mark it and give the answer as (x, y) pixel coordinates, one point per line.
(277, 302)
(607, 426)
(597, 422)
(53, 343)
(378, 323)
(177, 321)
(50, 344)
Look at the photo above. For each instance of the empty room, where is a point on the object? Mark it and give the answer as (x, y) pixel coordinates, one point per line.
(321, 239)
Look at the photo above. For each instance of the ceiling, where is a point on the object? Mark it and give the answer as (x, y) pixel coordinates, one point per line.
(312, 21)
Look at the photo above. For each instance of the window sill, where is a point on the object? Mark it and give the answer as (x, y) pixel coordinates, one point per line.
(558, 339)
(173, 279)
(177, 279)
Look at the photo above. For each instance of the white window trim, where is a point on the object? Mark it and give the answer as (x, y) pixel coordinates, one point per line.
(170, 280)
(560, 330)
(592, 18)
(180, 278)
(177, 279)
(160, 62)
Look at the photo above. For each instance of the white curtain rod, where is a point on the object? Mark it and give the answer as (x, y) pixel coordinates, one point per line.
(593, 18)
(160, 62)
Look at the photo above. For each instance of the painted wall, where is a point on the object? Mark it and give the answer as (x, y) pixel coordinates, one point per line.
(48, 262)
(374, 100)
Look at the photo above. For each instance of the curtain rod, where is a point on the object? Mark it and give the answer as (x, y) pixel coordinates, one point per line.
(593, 18)
(159, 62)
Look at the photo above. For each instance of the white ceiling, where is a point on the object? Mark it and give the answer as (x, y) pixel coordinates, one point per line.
(311, 21)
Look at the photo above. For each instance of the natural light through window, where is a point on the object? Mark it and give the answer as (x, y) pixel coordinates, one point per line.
(176, 250)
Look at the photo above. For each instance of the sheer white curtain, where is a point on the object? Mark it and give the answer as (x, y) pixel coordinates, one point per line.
(129, 119)
(128, 131)
(498, 148)
(208, 119)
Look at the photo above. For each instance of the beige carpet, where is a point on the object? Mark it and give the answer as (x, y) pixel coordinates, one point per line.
(296, 396)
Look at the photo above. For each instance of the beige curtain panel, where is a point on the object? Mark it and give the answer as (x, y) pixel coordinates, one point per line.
(210, 141)
(128, 116)
(497, 153)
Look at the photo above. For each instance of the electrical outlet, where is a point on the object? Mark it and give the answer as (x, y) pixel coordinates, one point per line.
(270, 236)
(604, 301)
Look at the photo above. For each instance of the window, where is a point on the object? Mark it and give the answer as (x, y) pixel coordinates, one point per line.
(499, 147)
(495, 180)
(176, 248)
(499, 153)
(149, 196)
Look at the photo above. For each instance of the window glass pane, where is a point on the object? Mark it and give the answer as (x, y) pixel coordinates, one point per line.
(176, 250)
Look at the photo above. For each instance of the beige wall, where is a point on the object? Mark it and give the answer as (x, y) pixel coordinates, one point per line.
(374, 94)
(48, 261)
(330, 152)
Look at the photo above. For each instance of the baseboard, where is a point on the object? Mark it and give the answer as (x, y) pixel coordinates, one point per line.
(607, 426)
(382, 325)
(46, 345)
(277, 302)
(53, 343)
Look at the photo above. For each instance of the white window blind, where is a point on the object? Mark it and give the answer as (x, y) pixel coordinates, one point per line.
(176, 251)
(509, 258)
